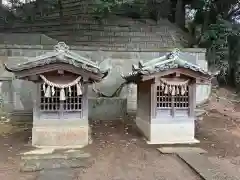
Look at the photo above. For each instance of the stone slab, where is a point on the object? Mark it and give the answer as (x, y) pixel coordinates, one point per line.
(182, 141)
(51, 164)
(60, 136)
(201, 165)
(60, 174)
(68, 155)
(175, 150)
(39, 151)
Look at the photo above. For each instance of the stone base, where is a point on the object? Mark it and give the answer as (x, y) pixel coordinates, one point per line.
(181, 132)
(175, 150)
(60, 137)
(184, 141)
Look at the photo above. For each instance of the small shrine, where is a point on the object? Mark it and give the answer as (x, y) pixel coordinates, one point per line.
(166, 98)
(61, 79)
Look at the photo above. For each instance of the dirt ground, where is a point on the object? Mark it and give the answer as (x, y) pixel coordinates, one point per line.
(119, 151)
(219, 130)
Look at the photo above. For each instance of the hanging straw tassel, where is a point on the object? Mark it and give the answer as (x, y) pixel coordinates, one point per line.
(44, 87)
(169, 88)
(177, 90)
(166, 90)
(79, 90)
(69, 91)
(48, 92)
(53, 91)
(183, 90)
(173, 90)
(162, 85)
(62, 95)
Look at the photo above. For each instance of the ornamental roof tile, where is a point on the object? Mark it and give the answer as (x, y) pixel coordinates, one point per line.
(60, 54)
(172, 60)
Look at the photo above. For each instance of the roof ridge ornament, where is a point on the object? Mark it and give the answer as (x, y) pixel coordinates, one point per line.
(61, 47)
(174, 54)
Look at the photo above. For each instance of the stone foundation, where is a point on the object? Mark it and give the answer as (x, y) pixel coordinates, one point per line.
(173, 133)
(60, 137)
(181, 132)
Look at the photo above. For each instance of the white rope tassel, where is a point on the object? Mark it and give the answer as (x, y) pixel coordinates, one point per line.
(69, 91)
(44, 87)
(183, 90)
(53, 90)
(162, 85)
(62, 95)
(177, 89)
(51, 87)
(79, 90)
(48, 92)
(166, 89)
(175, 86)
(173, 91)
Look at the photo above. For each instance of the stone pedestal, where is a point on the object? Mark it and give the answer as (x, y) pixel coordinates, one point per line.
(131, 98)
(160, 132)
(60, 136)
(173, 133)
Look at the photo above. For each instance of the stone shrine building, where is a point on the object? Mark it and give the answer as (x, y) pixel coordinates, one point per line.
(166, 98)
(60, 102)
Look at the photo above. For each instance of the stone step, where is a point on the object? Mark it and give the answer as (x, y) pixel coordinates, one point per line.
(95, 44)
(175, 150)
(56, 29)
(89, 24)
(85, 19)
(95, 34)
(40, 164)
(204, 167)
(112, 48)
(115, 46)
(75, 155)
(111, 39)
(36, 162)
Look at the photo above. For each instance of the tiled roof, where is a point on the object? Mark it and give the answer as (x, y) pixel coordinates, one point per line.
(169, 61)
(60, 54)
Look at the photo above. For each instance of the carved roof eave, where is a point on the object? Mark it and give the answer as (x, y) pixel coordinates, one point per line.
(61, 54)
(164, 63)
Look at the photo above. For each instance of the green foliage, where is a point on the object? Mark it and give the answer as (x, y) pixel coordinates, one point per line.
(104, 7)
(216, 40)
(30, 10)
(213, 27)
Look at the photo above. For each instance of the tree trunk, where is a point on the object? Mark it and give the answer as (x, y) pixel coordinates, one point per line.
(173, 11)
(234, 61)
(60, 9)
(180, 14)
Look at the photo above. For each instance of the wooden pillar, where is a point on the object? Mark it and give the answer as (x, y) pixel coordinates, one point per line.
(192, 99)
(153, 99)
(85, 103)
(180, 14)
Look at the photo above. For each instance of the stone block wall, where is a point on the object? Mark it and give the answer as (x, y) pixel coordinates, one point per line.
(26, 39)
(121, 62)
